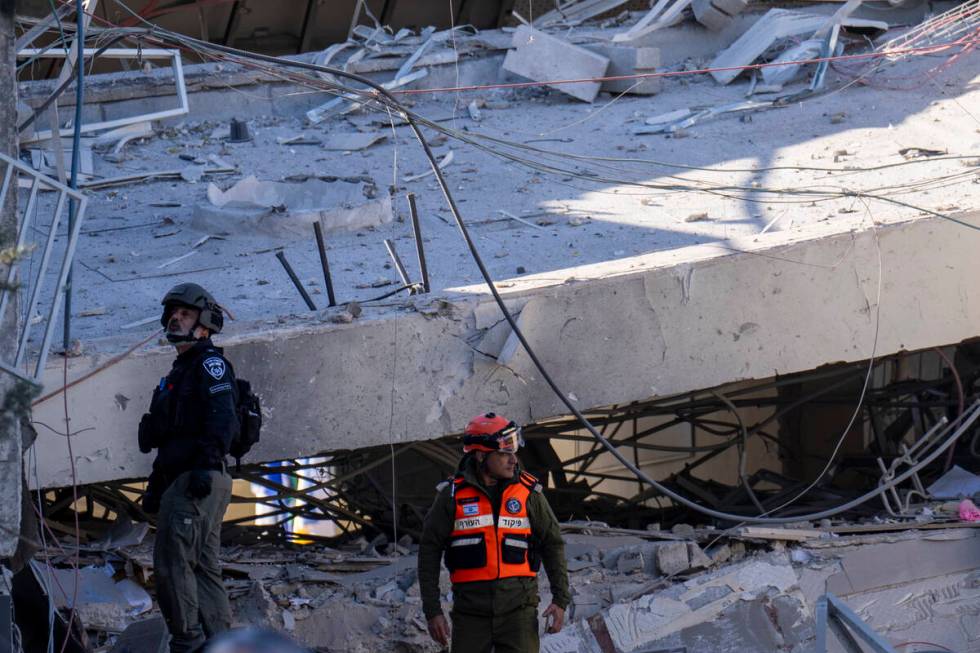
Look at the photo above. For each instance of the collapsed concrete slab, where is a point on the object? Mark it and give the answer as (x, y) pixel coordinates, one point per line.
(624, 330)
(542, 57)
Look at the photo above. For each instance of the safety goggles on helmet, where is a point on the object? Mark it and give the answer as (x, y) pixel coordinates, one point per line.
(491, 432)
(510, 439)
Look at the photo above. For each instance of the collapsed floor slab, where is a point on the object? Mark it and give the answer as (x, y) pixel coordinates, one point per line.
(614, 332)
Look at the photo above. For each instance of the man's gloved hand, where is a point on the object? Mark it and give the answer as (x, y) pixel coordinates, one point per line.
(199, 484)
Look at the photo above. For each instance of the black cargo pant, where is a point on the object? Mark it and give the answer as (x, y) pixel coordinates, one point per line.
(191, 595)
(514, 632)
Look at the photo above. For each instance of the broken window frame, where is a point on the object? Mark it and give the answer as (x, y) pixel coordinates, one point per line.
(119, 53)
(37, 182)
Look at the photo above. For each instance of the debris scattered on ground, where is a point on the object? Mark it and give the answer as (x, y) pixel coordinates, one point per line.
(702, 588)
(287, 209)
(351, 142)
(442, 163)
(575, 13)
(102, 602)
(775, 25)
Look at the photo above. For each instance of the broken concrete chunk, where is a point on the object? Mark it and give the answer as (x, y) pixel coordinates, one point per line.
(625, 61)
(709, 595)
(625, 591)
(585, 604)
(257, 608)
(717, 14)
(289, 209)
(541, 57)
(645, 620)
(338, 626)
(697, 558)
(351, 142)
(629, 562)
(672, 557)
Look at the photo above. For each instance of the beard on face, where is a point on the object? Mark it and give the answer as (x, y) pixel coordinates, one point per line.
(174, 327)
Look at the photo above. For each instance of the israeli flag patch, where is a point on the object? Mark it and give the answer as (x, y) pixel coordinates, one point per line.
(215, 366)
(471, 509)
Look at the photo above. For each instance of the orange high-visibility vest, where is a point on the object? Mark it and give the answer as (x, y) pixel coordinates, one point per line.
(484, 546)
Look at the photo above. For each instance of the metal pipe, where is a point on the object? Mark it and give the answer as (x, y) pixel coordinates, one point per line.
(35, 295)
(7, 176)
(324, 263)
(296, 282)
(80, 22)
(419, 247)
(399, 266)
(6, 290)
(64, 281)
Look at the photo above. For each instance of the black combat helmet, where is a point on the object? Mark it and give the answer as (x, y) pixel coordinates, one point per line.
(193, 296)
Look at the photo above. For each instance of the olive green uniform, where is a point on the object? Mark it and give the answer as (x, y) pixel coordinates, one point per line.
(502, 613)
(190, 591)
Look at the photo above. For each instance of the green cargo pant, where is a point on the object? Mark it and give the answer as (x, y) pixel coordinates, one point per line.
(514, 632)
(191, 595)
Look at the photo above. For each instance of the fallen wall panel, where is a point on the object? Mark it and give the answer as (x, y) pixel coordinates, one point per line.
(614, 332)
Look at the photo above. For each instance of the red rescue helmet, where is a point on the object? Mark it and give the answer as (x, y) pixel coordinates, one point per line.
(491, 432)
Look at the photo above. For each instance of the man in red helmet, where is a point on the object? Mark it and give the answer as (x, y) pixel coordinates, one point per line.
(495, 528)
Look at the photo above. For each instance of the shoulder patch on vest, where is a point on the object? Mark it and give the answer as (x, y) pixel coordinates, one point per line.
(215, 366)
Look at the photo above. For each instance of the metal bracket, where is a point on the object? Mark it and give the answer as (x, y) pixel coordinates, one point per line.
(833, 614)
(910, 458)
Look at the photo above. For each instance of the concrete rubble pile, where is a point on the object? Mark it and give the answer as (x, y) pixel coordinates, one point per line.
(749, 589)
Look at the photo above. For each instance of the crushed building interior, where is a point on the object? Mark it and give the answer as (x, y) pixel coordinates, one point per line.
(716, 257)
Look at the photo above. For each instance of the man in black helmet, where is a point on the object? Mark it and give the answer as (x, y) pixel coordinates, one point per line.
(191, 424)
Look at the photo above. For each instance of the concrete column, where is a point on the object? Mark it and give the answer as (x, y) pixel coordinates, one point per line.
(10, 445)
